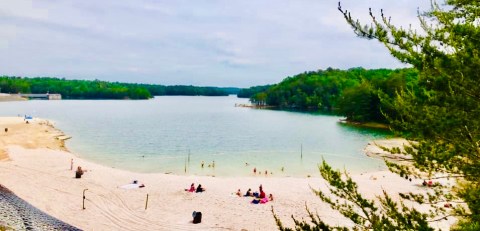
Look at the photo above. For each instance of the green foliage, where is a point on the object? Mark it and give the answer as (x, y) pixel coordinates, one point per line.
(251, 91)
(160, 90)
(74, 89)
(360, 103)
(440, 115)
(358, 94)
(86, 89)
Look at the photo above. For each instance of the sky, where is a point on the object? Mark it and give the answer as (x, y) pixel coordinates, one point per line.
(223, 43)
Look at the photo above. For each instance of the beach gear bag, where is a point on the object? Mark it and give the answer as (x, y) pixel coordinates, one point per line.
(197, 217)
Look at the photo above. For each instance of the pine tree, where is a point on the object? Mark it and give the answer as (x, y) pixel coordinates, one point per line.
(441, 118)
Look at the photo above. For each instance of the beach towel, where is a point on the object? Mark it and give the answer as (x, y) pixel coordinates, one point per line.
(264, 200)
(130, 186)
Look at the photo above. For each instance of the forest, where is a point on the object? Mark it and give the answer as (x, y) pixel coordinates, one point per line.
(96, 89)
(358, 94)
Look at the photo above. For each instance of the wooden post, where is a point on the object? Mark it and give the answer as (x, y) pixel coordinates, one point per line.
(83, 204)
(301, 151)
(146, 202)
(185, 165)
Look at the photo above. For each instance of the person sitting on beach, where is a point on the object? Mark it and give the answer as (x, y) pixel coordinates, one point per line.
(192, 188)
(424, 183)
(262, 194)
(270, 197)
(79, 172)
(248, 193)
(200, 189)
(239, 193)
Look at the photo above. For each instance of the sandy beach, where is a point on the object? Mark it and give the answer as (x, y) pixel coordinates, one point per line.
(35, 165)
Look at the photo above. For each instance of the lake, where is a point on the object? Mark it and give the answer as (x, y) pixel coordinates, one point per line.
(174, 134)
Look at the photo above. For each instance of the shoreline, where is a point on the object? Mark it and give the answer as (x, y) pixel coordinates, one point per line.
(9, 97)
(37, 133)
(375, 149)
(368, 125)
(42, 166)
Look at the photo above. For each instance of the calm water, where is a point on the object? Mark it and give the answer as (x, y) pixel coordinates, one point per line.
(167, 133)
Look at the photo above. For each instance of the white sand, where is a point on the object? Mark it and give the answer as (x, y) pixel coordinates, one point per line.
(375, 149)
(9, 97)
(42, 176)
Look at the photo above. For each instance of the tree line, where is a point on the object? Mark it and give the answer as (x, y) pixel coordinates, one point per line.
(358, 94)
(96, 89)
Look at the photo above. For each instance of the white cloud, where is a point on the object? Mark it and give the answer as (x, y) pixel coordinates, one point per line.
(216, 42)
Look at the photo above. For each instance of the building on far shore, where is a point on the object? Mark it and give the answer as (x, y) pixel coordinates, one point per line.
(17, 97)
(42, 96)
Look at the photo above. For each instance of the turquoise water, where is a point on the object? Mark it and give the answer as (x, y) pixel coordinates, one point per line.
(174, 133)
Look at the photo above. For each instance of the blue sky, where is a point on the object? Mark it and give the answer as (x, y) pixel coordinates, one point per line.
(206, 43)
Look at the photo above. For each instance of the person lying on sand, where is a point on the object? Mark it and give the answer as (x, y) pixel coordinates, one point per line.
(135, 184)
(139, 185)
